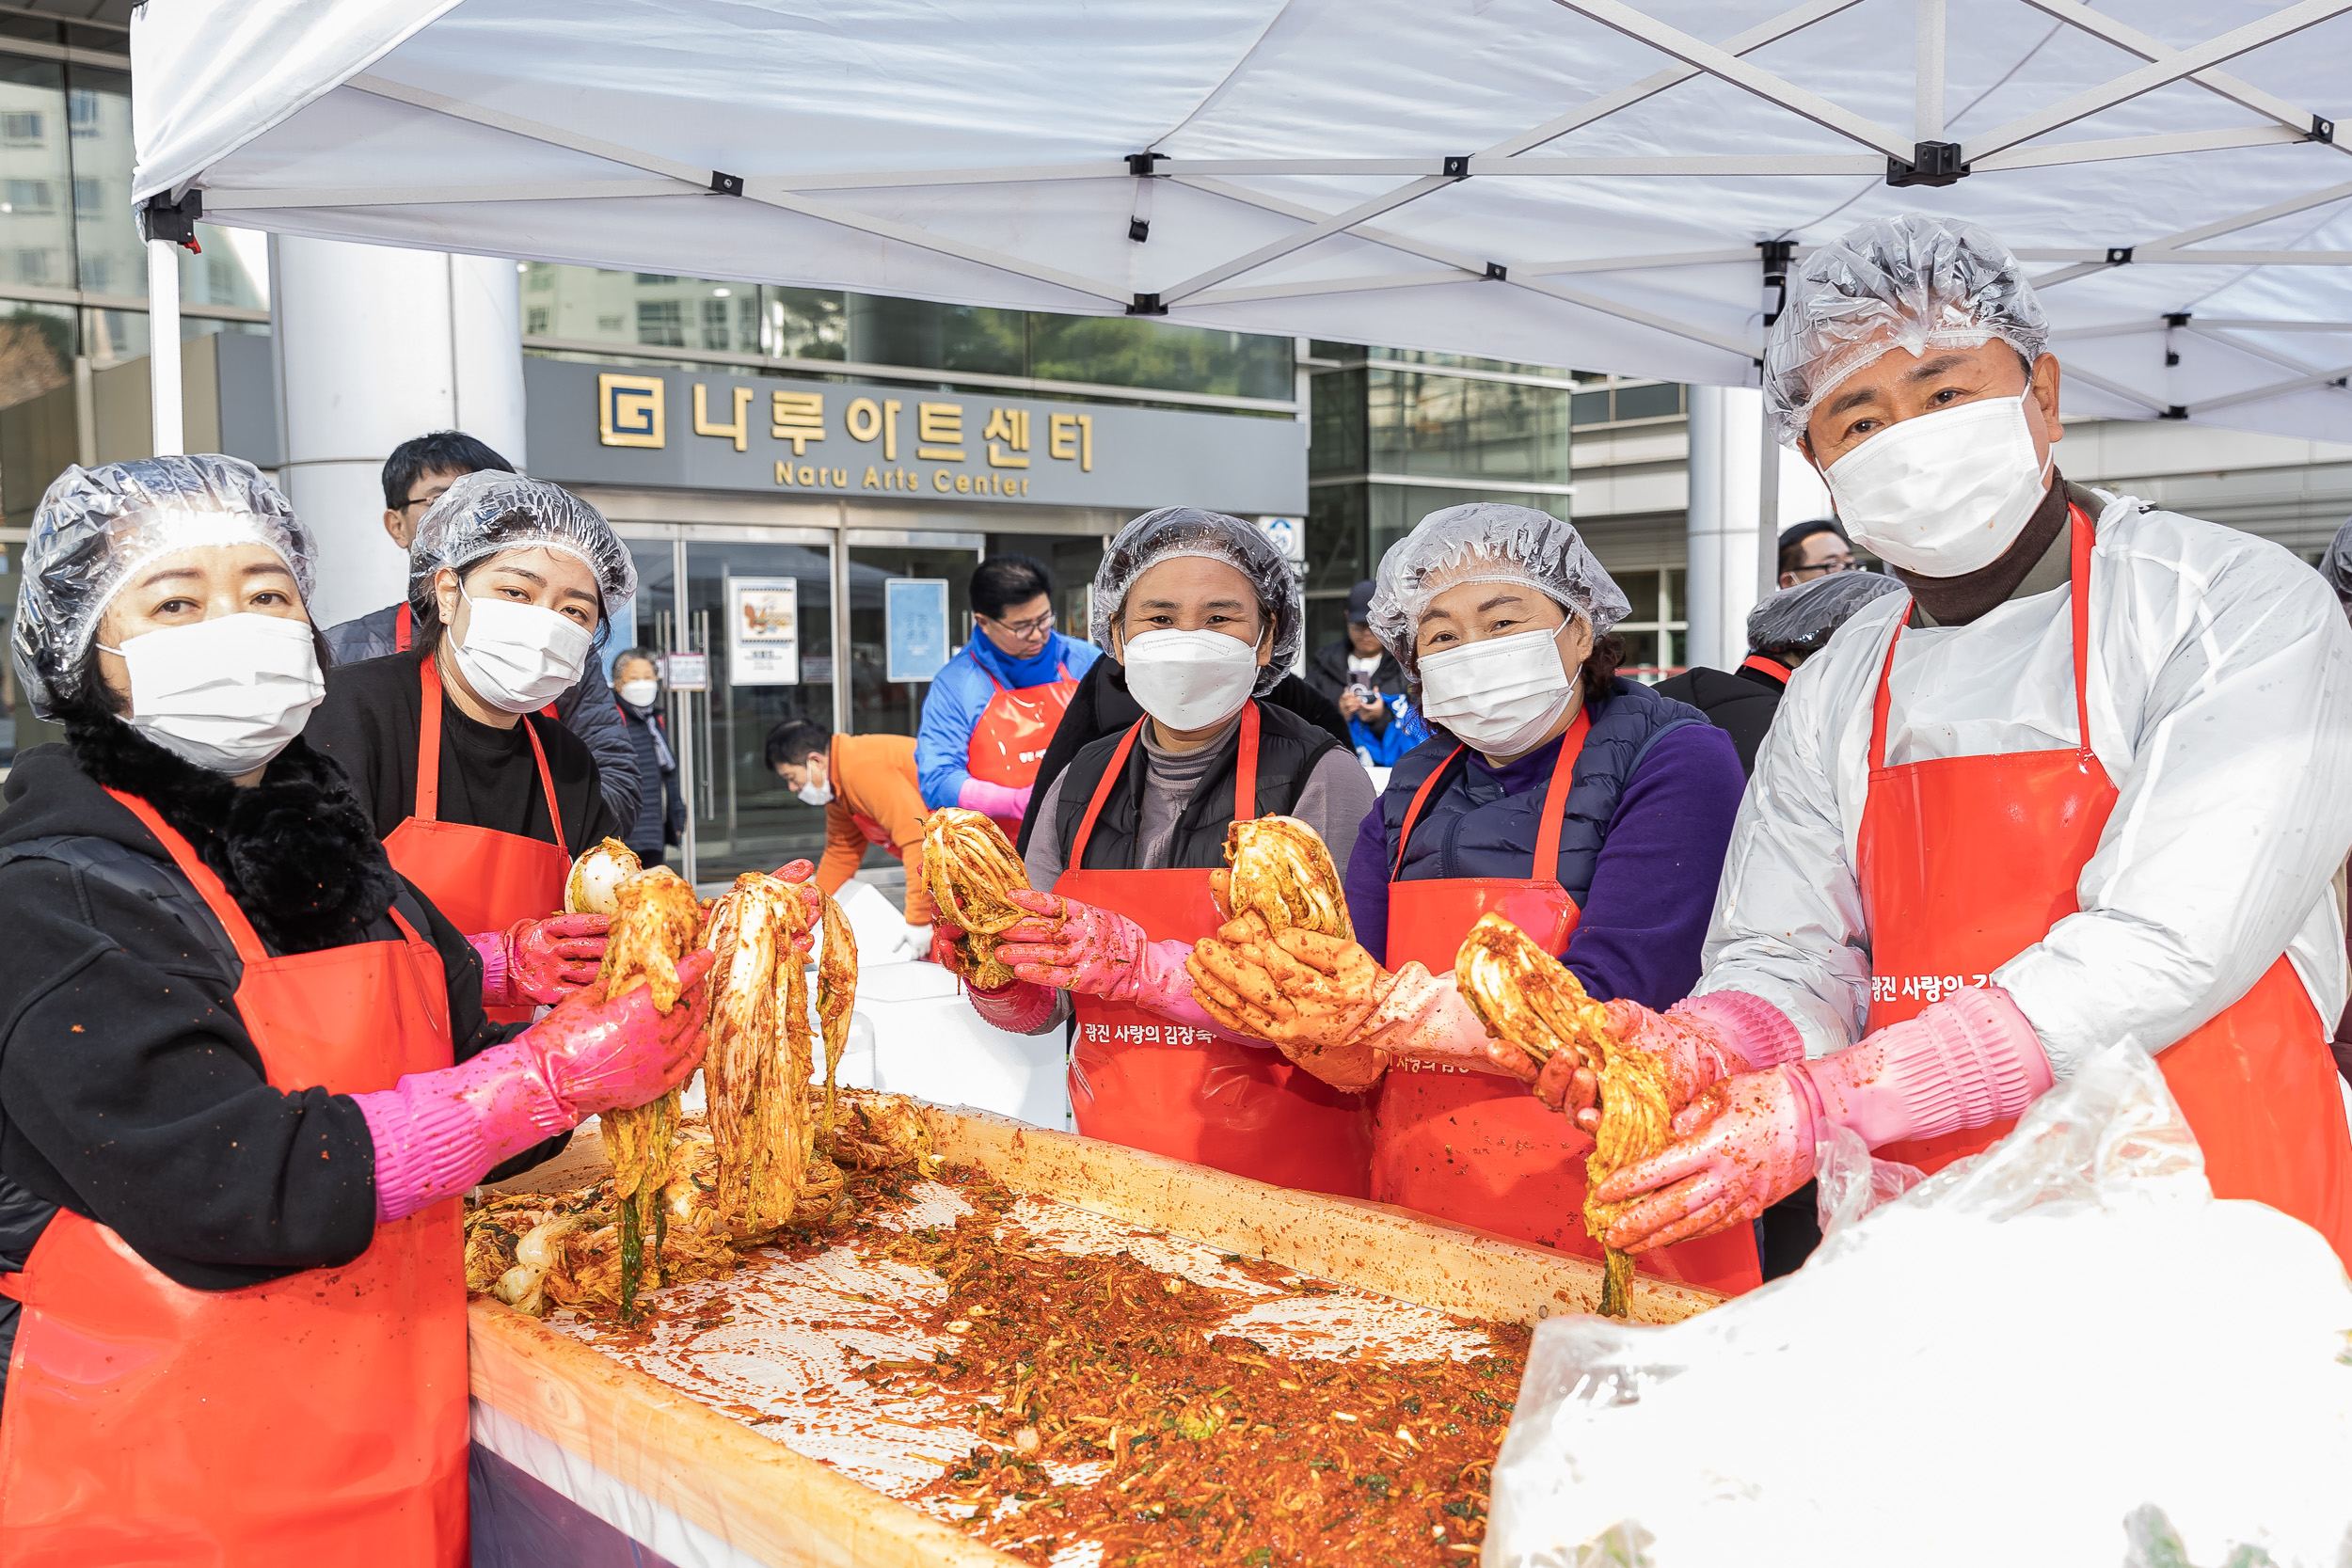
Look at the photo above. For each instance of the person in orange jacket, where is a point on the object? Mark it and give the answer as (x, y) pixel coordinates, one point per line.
(868, 785)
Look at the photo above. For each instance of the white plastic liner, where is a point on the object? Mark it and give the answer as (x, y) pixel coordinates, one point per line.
(2064, 1352)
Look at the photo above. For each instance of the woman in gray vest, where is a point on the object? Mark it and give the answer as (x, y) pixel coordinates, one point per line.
(1589, 809)
(1204, 616)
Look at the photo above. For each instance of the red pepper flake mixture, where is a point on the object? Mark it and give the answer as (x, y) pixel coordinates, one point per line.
(1219, 1449)
(1112, 1407)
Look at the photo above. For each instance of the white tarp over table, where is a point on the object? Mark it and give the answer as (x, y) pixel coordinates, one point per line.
(1562, 181)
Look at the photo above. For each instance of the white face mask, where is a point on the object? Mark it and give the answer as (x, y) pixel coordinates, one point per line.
(639, 693)
(1502, 696)
(518, 657)
(1944, 494)
(227, 694)
(816, 793)
(1189, 680)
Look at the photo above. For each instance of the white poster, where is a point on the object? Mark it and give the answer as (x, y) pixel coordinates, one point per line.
(763, 631)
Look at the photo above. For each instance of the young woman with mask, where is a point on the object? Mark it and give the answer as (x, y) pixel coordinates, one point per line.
(481, 799)
(244, 1072)
(1205, 615)
(1589, 809)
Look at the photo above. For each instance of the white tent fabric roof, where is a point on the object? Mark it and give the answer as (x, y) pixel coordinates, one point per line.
(1558, 182)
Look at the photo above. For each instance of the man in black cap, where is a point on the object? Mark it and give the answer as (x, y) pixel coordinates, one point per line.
(1812, 550)
(1356, 671)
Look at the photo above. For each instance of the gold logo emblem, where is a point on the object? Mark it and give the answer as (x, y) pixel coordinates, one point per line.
(628, 410)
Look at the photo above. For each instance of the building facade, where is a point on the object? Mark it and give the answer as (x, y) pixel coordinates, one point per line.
(779, 457)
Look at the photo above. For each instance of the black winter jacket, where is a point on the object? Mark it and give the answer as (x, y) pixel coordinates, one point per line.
(129, 1091)
(1740, 702)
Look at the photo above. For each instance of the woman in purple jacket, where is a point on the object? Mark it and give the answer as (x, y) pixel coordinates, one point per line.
(1590, 810)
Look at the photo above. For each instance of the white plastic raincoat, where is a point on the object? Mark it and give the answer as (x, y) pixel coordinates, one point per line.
(2220, 698)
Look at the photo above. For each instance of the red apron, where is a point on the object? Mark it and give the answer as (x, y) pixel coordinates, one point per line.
(1180, 1090)
(1966, 862)
(1477, 1147)
(317, 1418)
(481, 879)
(1013, 732)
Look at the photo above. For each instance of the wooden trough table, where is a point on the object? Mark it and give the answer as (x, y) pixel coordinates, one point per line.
(673, 1479)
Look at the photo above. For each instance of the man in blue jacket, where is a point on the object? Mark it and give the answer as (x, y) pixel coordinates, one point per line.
(992, 710)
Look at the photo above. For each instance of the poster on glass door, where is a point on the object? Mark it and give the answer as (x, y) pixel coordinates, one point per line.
(915, 628)
(763, 631)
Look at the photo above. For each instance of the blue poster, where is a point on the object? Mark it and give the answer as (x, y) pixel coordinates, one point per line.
(915, 628)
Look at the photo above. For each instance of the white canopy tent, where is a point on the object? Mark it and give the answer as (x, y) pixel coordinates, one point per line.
(1566, 181)
(1561, 182)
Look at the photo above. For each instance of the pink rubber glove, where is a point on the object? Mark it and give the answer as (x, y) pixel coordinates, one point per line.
(539, 960)
(1096, 951)
(1021, 1007)
(438, 1134)
(1079, 948)
(992, 799)
(1747, 1142)
(1700, 1041)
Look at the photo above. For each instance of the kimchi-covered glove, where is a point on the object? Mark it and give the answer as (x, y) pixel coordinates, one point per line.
(438, 1134)
(1700, 1041)
(1746, 1142)
(539, 960)
(1312, 996)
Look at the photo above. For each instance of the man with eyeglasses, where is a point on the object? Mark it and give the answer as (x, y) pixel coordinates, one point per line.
(1809, 552)
(992, 710)
(414, 477)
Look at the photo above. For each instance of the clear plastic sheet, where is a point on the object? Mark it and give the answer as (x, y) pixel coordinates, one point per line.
(1488, 542)
(1172, 531)
(2062, 1352)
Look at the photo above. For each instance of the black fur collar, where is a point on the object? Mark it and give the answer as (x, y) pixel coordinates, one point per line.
(296, 851)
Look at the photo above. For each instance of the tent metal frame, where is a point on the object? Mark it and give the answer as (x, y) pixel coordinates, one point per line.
(1923, 155)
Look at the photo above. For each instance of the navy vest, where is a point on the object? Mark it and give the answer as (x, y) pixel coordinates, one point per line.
(1469, 828)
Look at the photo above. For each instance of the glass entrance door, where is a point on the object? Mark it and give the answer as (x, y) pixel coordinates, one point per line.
(760, 605)
(877, 705)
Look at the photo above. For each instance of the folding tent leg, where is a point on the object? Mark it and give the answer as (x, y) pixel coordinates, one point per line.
(163, 346)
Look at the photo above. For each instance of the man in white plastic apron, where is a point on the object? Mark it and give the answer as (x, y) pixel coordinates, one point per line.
(2083, 783)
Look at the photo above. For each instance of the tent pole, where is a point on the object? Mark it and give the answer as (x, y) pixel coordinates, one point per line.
(1767, 513)
(163, 346)
(1929, 75)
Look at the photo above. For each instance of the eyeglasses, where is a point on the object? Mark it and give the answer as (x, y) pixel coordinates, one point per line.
(1827, 568)
(1036, 626)
(414, 501)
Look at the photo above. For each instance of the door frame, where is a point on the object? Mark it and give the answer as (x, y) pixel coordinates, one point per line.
(683, 712)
